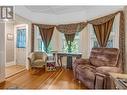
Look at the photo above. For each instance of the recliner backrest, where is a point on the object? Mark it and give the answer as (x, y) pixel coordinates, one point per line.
(104, 56)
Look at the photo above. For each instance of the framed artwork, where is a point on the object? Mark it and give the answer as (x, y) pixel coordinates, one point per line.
(10, 36)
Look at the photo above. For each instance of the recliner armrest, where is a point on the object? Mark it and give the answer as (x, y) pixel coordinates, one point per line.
(81, 61)
(100, 74)
(106, 70)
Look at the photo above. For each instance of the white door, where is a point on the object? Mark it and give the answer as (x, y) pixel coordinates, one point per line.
(21, 44)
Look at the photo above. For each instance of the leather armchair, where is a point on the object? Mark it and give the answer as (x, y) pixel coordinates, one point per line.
(101, 60)
(37, 59)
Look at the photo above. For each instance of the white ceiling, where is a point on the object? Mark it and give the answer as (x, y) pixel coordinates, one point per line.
(56, 10)
(63, 14)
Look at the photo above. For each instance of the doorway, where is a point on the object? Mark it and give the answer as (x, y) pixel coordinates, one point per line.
(16, 48)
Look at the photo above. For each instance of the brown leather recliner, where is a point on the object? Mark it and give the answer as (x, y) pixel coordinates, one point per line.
(101, 60)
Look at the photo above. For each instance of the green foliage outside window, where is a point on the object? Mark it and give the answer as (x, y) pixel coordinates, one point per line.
(49, 48)
(74, 46)
(42, 48)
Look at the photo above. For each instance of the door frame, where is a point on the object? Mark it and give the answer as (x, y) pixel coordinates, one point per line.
(15, 39)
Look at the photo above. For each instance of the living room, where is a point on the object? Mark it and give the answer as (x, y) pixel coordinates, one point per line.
(63, 36)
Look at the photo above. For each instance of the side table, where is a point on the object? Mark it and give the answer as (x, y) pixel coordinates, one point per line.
(50, 65)
(120, 80)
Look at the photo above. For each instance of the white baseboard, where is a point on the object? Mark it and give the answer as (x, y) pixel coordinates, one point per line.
(2, 77)
(10, 63)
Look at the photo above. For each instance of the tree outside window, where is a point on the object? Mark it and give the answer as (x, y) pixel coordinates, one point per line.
(74, 44)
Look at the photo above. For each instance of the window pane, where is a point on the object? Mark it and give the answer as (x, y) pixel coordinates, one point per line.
(75, 44)
(110, 43)
(39, 45)
(21, 38)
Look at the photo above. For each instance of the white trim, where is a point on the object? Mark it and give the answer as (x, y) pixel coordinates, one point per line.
(27, 53)
(15, 44)
(9, 63)
(2, 79)
(15, 73)
(3, 54)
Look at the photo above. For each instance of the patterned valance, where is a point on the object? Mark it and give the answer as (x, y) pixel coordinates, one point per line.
(71, 28)
(103, 19)
(45, 26)
(46, 35)
(102, 32)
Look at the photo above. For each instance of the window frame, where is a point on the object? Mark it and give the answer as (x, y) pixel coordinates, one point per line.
(21, 37)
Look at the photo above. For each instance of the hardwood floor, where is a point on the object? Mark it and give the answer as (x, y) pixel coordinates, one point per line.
(11, 70)
(60, 79)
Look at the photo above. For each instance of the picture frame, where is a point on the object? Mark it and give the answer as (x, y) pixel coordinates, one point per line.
(10, 36)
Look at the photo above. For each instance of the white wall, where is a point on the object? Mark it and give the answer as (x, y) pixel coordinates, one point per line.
(84, 43)
(2, 52)
(9, 44)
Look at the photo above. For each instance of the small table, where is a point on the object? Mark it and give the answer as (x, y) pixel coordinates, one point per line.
(59, 55)
(50, 65)
(118, 78)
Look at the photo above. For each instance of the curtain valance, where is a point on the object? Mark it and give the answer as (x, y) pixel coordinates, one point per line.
(46, 35)
(102, 32)
(45, 26)
(103, 19)
(71, 28)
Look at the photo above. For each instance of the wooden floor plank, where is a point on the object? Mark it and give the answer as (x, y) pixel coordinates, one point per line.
(11, 70)
(59, 79)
